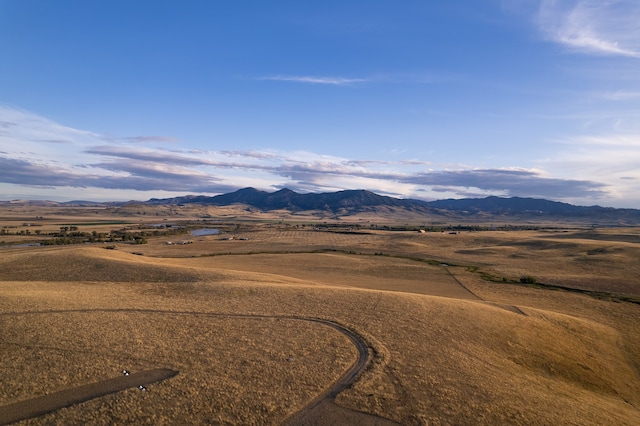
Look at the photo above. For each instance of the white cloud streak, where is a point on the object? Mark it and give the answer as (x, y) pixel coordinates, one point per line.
(608, 27)
(621, 95)
(333, 81)
(613, 160)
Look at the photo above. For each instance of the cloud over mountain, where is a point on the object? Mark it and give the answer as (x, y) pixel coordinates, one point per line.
(90, 160)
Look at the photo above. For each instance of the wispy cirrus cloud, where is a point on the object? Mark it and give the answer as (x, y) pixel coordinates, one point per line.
(145, 139)
(425, 77)
(145, 155)
(607, 142)
(613, 159)
(593, 26)
(510, 182)
(621, 95)
(332, 81)
(127, 176)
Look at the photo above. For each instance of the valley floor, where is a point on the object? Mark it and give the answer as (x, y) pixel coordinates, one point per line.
(450, 335)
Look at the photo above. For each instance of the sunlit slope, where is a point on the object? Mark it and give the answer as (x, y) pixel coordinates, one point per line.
(460, 362)
(231, 369)
(86, 264)
(93, 264)
(437, 360)
(343, 270)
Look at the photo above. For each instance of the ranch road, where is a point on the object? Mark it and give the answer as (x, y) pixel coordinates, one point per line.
(323, 406)
(30, 408)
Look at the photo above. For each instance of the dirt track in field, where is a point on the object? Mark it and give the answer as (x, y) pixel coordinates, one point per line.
(317, 411)
(35, 407)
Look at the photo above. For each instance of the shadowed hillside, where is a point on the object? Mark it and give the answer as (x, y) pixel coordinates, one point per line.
(481, 209)
(288, 199)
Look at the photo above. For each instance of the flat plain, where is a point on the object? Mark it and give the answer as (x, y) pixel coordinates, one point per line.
(245, 317)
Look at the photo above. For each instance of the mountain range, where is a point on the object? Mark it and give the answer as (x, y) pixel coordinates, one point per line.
(352, 202)
(356, 201)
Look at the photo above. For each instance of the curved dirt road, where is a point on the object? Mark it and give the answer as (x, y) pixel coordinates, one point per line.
(308, 415)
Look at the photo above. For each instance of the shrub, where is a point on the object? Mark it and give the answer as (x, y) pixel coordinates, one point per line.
(527, 279)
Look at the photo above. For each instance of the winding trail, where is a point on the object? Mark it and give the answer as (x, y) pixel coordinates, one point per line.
(309, 414)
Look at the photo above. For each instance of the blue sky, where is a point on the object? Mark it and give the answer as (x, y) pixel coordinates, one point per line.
(119, 100)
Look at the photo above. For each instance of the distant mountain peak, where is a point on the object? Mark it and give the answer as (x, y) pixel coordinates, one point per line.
(284, 191)
(356, 200)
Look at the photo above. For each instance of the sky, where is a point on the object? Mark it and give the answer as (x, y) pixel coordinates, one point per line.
(111, 100)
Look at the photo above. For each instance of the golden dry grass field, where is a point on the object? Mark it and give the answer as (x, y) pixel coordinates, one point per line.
(452, 336)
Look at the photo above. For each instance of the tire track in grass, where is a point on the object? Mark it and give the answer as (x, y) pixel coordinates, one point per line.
(48, 403)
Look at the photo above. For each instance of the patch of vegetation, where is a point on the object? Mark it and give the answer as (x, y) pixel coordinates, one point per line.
(530, 281)
(487, 276)
(527, 279)
(117, 222)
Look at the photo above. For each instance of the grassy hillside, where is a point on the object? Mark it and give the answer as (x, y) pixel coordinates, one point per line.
(495, 353)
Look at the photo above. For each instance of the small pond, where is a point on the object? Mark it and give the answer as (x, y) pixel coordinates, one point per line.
(204, 231)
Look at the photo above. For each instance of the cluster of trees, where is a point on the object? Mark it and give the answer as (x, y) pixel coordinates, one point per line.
(71, 235)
